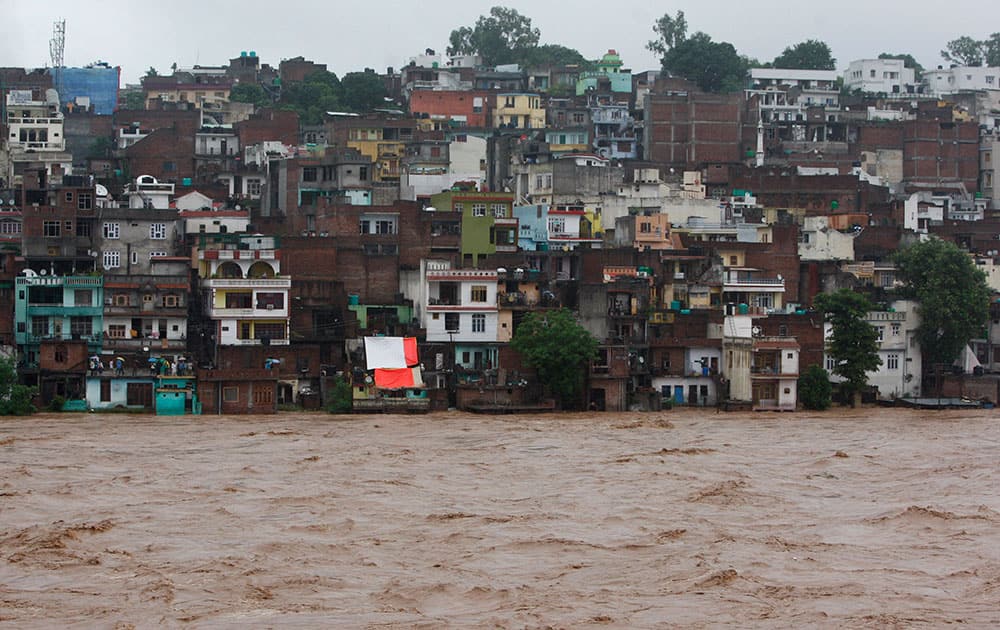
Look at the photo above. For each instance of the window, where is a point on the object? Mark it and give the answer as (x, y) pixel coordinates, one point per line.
(478, 293)
(116, 331)
(84, 228)
(121, 299)
(479, 209)
(158, 254)
(158, 231)
(451, 322)
(69, 197)
(880, 333)
(230, 394)
(895, 330)
(309, 174)
(363, 173)
(10, 227)
(112, 230)
(385, 227)
(892, 362)
(557, 225)
(458, 207)
(169, 167)
(253, 187)
(830, 364)
(51, 228)
(112, 259)
(135, 257)
(263, 396)
(81, 326)
(83, 297)
(84, 201)
(478, 323)
(499, 210)
(40, 326)
(271, 301)
(170, 301)
(435, 151)
(269, 331)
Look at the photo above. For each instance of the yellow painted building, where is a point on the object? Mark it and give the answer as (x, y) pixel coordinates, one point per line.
(515, 110)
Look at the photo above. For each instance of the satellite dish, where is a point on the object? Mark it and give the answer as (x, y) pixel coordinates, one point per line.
(29, 273)
(756, 331)
(368, 379)
(42, 272)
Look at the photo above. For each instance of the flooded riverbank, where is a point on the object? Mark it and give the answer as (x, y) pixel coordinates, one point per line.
(873, 517)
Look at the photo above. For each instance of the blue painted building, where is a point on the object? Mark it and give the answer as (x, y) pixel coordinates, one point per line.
(98, 84)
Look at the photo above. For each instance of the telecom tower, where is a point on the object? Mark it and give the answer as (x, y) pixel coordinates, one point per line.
(56, 47)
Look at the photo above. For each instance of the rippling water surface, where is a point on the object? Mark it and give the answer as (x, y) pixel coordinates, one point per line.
(867, 518)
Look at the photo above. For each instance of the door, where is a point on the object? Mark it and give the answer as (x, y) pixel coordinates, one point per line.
(139, 394)
(679, 394)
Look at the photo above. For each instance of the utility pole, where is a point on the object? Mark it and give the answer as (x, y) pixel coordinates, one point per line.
(57, 46)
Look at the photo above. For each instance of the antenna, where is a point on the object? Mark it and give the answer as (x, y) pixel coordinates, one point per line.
(57, 46)
(58, 43)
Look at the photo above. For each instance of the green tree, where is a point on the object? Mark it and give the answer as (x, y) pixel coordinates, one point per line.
(15, 399)
(908, 61)
(811, 54)
(134, 100)
(991, 50)
(362, 91)
(249, 93)
(341, 396)
(319, 93)
(815, 389)
(559, 348)
(670, 31)
(953, 295)
(499, 38)
(964, 51)
(713, 66)
(853, 342)
(152, 72)
(548, 55)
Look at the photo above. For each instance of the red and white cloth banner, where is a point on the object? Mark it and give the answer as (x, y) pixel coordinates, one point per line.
(391, 352)
(386, 378)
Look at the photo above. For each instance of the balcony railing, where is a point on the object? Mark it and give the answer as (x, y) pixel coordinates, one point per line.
(246, 283)
(222, 312)
(255, 342)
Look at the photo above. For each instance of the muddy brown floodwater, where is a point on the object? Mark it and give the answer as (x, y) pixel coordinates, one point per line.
(872, 518)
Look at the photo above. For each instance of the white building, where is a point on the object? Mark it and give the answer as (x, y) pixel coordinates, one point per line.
(961, 79)
(244, 292)
(900, 374)
(461, 304)
(35, 135)
(785, 94)
(147, 192)
(880, 76)
(818, 241)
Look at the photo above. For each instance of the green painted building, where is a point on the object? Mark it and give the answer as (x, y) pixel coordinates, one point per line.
(57, 307)
(488, 222)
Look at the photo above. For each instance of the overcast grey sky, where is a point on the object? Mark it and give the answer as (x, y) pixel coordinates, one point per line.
(350, 36)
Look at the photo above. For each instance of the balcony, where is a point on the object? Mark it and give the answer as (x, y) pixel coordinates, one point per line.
(94, 338)
(247, 313)
(255, 342)
(121, 344)
(246, 283)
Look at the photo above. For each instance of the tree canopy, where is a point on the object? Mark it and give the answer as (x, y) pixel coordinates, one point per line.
(670, 31)
(15, 399)
(953, 295)
(811, 54)
(559, 348)
(362, 91)
(967, 51)
(853, 342)
(713, 66)
(814, 388)
(499, 38)
(249, 93)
